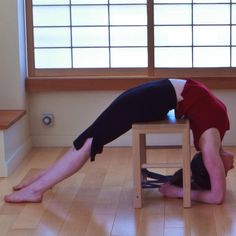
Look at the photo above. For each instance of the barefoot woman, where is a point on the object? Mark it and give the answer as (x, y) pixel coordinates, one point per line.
(147, 102)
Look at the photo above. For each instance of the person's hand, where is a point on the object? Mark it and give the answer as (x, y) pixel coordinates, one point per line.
(171, 191)
(228, 160)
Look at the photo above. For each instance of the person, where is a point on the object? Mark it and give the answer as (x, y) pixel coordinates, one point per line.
(144, 103)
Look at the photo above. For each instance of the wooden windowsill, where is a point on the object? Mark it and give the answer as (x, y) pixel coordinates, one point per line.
(9, 117)
(55, 84)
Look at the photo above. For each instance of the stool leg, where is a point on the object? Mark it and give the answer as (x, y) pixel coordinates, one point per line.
(139, 155)
(143, 156)
(186, 169)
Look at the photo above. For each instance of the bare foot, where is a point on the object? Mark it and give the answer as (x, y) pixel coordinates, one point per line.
(24, 195)
(27, 181)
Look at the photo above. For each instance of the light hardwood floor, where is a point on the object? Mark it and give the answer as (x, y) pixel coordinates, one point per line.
(97, 201)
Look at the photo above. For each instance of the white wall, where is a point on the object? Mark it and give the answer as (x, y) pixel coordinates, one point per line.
(12, 56)
(12, 83)
(229, 98)
(75, 111)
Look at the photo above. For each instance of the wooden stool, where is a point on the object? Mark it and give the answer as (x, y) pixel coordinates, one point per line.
(170, 125)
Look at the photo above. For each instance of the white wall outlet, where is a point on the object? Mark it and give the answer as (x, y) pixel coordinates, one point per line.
(48, 119)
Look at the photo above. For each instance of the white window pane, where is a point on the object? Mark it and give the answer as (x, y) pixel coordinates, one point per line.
(234, 35)
(51, 16)
(89, 15)
(128, 36)
(211, 35)
(127, 1)
(52, 37)
(211, 1)
(172, 14)
(129, 57)
(52, 58)
(172, 1)
(128, 15)
(173, 36)
(234, 56)
(211, 57)
(90, 36)
(234, 14)
(173, 57)
(211, 14)
(91, 57)
(89, 1)
(49, 2)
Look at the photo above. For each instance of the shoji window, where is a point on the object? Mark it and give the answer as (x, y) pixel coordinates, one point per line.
(89, 33)
(130, 39)
(198, 33)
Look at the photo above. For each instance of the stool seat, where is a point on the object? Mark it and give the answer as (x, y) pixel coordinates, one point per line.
(168, 125)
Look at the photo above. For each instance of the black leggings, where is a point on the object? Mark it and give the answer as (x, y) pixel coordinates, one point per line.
(144, 103)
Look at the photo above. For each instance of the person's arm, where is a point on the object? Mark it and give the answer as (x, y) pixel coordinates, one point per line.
(228, 160)
(215, 168)
(210, 144)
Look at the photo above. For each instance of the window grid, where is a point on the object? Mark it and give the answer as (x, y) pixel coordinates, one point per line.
(194, 26)
(71, 37)
(109, 27)
(109, 36)
(231, 46)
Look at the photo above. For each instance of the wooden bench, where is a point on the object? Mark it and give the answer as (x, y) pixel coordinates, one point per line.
(9, 117)
(170, 126)
(7, 133)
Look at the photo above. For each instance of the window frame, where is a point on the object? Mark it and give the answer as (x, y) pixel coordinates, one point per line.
(45, 80)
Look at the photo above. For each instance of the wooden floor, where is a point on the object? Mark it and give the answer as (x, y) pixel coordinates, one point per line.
(97, 201)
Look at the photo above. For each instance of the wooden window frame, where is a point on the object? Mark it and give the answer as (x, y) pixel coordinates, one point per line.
(47, 80)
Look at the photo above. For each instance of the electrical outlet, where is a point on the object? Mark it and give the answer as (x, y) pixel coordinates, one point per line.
(48, 119)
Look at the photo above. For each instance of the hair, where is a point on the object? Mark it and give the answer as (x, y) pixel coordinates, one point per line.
(200, 178)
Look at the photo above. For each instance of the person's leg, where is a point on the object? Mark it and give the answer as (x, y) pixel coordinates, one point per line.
(25, 182)
(66, 166)
(145, 103)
